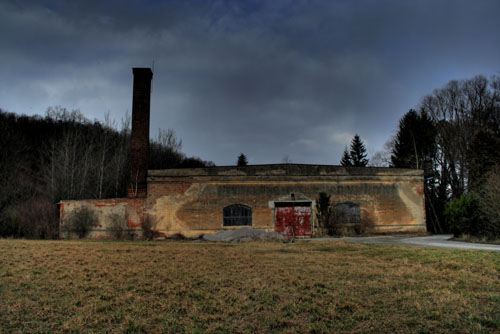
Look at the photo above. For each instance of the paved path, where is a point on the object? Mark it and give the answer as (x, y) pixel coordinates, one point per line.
(433, 241)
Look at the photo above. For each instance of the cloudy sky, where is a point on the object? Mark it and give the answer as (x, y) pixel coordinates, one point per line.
(266, 78)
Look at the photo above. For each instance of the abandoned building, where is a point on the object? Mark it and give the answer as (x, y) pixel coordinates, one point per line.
(278, 197)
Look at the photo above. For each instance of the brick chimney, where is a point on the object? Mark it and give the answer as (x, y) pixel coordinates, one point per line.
(139, 144)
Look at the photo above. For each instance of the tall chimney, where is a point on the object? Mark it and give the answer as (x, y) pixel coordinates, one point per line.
(139, 145)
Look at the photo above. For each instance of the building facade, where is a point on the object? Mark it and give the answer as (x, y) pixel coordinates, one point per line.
(279, 197)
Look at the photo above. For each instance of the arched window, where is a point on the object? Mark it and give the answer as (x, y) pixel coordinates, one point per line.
(347, 213)
(237, 215)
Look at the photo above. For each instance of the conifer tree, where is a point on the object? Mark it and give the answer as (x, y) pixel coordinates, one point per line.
(358, 152)
(242, 160)
(415, 146)
(415, 142)
(346, 159)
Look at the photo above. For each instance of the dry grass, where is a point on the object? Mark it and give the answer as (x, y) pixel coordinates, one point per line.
(176, 287)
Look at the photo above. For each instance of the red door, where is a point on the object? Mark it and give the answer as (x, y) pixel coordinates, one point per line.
(293, 219)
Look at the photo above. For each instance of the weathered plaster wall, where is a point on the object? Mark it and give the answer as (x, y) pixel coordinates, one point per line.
(190, 202)
(131, 209)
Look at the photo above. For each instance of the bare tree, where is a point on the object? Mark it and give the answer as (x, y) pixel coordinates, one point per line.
(118, 162)
(382, 158)
(459, 110)
(168, 140)
(286, 159)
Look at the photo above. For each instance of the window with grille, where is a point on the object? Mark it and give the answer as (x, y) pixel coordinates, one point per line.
(347, 213)
(237, 215)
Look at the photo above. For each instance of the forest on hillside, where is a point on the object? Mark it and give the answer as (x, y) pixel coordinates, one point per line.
(63, 156)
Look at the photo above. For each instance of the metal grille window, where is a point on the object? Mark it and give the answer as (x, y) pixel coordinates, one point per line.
(237, 215)
(347, 213)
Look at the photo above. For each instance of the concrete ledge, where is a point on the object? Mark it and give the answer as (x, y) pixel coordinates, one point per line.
(276, 170)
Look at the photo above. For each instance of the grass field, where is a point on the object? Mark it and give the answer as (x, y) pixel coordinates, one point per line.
(176, 287)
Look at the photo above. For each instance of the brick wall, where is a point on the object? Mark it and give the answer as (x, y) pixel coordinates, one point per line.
(130, 209)
(139, 145)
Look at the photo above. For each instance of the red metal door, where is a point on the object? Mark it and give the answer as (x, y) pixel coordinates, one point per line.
(293, 220)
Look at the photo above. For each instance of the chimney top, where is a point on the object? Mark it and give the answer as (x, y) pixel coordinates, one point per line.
(142, 72)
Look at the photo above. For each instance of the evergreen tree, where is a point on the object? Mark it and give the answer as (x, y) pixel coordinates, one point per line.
(415, 142)
(358, 152)
(415, 147)
(346, 159)
(242, 160)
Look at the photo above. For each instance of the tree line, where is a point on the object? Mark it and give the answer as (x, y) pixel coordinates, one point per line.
(65, 156)
(454, 136)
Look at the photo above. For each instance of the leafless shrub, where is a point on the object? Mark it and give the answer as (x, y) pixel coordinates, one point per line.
(35, 219)
(148, 228)
(131, 235)
(118, 225)
(80, 221)
(39, 219)
(366, 225)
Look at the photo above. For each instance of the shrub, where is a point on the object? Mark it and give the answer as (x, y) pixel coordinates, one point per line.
(460, 216)
(323, 213)
(10, 221)
(148, 228)
(80, 221)
(39, 219)
(118, 225)
(487, 197)
(477, 213)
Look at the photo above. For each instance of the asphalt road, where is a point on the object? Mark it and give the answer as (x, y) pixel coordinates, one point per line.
(433, 241)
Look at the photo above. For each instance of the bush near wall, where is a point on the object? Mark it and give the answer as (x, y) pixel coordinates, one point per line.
(487, 198)
(80, 221)
(148, 227)
(478, 212)
(118, 226)
(37, 218)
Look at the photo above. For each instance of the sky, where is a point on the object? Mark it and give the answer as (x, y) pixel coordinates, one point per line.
(270, 79)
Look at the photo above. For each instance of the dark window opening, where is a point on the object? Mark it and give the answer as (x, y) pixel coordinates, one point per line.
(347, 213)
(237, 215)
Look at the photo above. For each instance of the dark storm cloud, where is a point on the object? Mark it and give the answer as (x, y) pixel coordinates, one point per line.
(268, 78)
